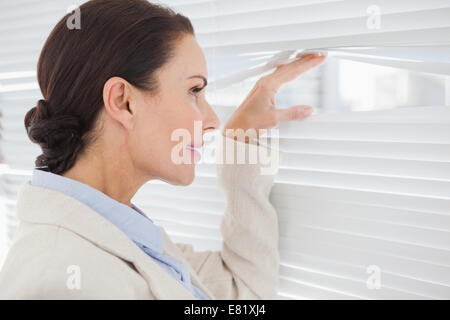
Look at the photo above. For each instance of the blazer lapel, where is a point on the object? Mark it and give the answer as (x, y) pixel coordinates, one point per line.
(41, 205)
(174, 251)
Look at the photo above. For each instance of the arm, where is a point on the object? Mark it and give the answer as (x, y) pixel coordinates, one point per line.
(247, 266)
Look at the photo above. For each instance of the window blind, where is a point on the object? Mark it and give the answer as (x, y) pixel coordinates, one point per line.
(355, 190)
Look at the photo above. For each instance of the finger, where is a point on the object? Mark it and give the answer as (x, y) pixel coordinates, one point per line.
(290, 71)
(293, 113)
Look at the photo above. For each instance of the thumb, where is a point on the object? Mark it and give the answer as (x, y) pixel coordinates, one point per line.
(293, 113)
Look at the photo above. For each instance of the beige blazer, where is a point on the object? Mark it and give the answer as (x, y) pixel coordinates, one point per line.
(57, 232)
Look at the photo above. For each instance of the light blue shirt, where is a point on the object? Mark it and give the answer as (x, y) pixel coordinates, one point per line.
(134, 223)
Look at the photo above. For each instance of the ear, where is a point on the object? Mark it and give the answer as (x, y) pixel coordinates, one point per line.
(116, 98)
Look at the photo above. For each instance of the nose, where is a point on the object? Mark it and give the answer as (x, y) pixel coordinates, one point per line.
(210, 120)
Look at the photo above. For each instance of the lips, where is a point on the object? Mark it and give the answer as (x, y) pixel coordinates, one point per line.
(195, 146)
(194, 149)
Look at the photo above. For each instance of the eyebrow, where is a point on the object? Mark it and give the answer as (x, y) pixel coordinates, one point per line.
(201, 77)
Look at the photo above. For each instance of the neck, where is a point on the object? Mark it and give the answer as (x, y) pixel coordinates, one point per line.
(112, 174)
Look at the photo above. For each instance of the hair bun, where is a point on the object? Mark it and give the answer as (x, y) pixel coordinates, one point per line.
(59, 136)
(39, 112)
(42, 109)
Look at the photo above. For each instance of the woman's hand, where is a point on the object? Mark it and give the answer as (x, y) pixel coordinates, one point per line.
(258, 109)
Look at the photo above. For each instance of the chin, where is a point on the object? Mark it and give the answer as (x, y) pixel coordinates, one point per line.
(185, 181)
(185, 176)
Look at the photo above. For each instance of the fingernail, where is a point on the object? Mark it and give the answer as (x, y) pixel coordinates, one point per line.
(313, 54)
(302, 55)
(308, 111)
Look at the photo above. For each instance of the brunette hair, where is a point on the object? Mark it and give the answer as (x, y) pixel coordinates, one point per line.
(130, 39)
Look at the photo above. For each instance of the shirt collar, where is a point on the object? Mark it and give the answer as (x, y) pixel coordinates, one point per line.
(131, 220)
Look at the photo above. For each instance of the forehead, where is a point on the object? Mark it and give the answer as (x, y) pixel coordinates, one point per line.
(188, 60)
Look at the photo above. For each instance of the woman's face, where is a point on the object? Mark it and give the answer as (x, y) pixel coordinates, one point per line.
(164, 126)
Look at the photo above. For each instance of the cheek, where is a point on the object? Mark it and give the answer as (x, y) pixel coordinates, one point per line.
(182, 116)
(152, 143)
(152, 138)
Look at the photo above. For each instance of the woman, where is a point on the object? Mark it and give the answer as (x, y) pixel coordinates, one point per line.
(114, 92)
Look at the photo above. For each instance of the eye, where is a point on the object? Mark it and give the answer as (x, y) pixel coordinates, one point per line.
(196, 90)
